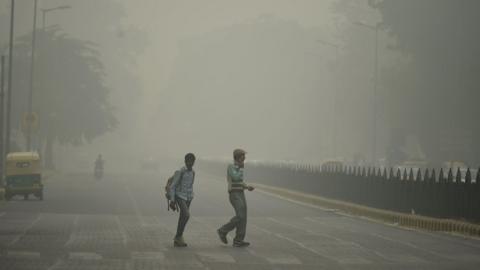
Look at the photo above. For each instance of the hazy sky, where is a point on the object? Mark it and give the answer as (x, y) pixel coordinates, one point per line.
(167, 25)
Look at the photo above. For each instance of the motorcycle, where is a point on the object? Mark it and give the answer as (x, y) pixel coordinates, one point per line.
(98, 173)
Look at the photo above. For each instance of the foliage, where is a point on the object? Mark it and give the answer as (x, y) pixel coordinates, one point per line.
(70, 95)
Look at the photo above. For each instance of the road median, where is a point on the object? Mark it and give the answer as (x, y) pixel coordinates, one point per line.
(401, 219)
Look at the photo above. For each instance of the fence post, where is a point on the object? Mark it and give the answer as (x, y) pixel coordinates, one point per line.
(432, 192)
(459, 196)
(468, 195)
(476, 196)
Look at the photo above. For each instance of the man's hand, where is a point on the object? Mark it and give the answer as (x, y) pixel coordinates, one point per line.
(250, 188)
(173, 205)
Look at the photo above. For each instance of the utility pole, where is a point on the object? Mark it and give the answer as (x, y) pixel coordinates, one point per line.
(374, 146)
(9, 89)
(46, 10)
(30, 93)
(2, 96)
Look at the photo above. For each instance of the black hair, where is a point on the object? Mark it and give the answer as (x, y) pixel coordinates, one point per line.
(190, 156)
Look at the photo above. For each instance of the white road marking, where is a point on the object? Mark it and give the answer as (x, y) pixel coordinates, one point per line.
(452, 237)
(135, 207)
(283, 259)
(339, 240)
(25, 230)
(122, 231)
(73, 233)
(290, 240)
(354, 259)
(84, 256)
(56, 265)
(297, 202)
(216, 257)
(23, 254)
(142, 255)
(410, 245)
(396, 241)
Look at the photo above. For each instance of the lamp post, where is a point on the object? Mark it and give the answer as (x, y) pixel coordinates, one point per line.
(334, 105)
(9, 88)
(46, 10)
(30, 94)
(2, 95)
(374, 28)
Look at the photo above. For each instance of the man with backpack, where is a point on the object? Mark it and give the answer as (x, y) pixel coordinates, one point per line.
(236, 187)
(180, 194)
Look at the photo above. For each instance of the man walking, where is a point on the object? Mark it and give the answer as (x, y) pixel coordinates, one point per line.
(181, 195)
(236, 187)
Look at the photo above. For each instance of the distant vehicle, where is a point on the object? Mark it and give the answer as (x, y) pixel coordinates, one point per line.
(23, 175)
(454, 164)
(98, 173)
(414, 165)
(98, 170)
(459, 165)
(331, 165)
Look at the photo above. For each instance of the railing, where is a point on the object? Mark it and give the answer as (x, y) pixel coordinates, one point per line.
(442, 194)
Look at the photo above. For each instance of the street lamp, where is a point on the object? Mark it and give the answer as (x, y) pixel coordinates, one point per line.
(30, 94)
(45, 10)
(9, 87)
(334, 105)
(374, 28)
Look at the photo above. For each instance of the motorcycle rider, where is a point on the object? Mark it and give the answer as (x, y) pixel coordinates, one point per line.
(99, 163)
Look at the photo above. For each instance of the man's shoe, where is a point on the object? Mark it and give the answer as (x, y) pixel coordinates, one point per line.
(241, 244)
(222, 236)
(179, 242)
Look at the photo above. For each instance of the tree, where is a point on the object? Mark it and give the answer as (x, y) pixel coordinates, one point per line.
(69, 93)
(441, 36)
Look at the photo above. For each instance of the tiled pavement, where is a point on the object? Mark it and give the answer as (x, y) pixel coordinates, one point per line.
(122, 224)
(63, 241)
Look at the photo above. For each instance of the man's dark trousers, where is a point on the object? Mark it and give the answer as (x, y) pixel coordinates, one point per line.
(239, 221)
(184, 215)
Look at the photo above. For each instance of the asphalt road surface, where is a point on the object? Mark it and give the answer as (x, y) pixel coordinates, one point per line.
(122, 222)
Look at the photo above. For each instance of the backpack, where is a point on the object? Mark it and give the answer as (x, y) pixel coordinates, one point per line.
(168, 186)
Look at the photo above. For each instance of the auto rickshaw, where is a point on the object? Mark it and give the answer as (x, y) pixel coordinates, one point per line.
(23, 175)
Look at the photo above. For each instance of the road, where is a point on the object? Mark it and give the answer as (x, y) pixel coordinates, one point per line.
(122, 222)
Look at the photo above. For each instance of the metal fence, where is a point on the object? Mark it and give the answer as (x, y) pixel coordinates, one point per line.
(426, 192)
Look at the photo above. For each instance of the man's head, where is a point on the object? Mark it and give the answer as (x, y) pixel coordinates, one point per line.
(239, 155)
(189, 160)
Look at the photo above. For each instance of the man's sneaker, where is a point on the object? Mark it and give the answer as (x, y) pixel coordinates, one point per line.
(222, 236)
(179, 242)
(241, 244)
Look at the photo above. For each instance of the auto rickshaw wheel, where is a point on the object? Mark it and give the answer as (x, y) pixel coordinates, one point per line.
(25, 196)
(40, 195)
(8, 197)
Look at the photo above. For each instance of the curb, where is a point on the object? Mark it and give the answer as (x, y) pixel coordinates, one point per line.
(401, 219)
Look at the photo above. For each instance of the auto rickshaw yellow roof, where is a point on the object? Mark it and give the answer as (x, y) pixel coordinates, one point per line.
(19, 156)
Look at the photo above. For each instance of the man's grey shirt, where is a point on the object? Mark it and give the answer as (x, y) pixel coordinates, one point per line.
(182, 188)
